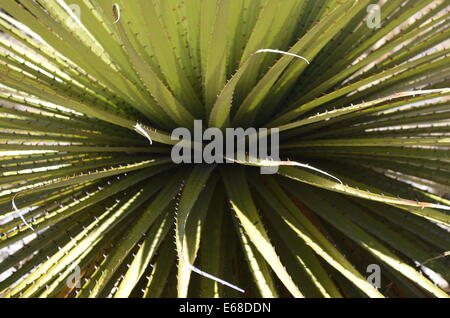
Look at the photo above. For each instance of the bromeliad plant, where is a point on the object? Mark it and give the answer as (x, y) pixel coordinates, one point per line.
(90, 209)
